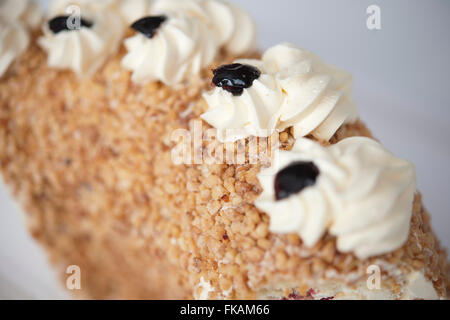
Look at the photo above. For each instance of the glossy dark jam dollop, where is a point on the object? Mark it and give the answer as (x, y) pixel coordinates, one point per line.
(59, 24)
(294, 178)
(235, 77)
(148, 25)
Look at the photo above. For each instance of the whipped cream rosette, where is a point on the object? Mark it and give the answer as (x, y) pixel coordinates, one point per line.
(84, 47)
(17, 18)
(360, 193)
(315, 97)
(27, 12)
(14, 40)
(60, 6)
(133, 10)
(193, 33)
(129, 10)
(178, 48)
(252, 112)
(318, 96)
(233, 28)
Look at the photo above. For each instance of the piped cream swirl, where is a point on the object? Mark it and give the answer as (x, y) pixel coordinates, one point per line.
(17, 18)
(188, 42)
(316, 98)
(236, 117)
(133, 10)
(86, 6)
(27, 12)
(181, 47)
(14, 40)
(363, 196)
(234, 29)
(83, 50)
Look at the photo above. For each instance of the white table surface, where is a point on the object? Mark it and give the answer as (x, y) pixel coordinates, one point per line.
(401, 75)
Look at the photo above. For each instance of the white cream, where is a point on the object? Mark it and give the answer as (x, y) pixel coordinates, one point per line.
(83, 50)
(133, 10)
(244, 33)
(237, 117)
(233, 28)
(86, 6)
(316, 98)
(330, 289)
(17, 17)
(309, 212)
(180, 49)
(363, 196)
(373, 213)
(413, 286)
(14, 40)
(27, 12)
(188, 41)
(420, 288)
(205, 289)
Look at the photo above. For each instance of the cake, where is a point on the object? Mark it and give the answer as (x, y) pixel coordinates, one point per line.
(163, 180)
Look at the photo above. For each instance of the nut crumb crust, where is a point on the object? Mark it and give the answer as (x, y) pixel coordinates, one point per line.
(90, 161)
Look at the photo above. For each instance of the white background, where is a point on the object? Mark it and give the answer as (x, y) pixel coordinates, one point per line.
(401, 76)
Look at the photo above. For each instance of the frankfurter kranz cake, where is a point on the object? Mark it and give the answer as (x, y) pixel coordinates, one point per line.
(162, 179)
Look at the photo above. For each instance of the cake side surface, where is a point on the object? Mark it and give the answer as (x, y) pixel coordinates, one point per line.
(92, 165)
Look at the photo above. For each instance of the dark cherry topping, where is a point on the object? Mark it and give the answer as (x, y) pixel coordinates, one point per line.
(148, 25)
(294, 178)
(60, 23)
(235, 77)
